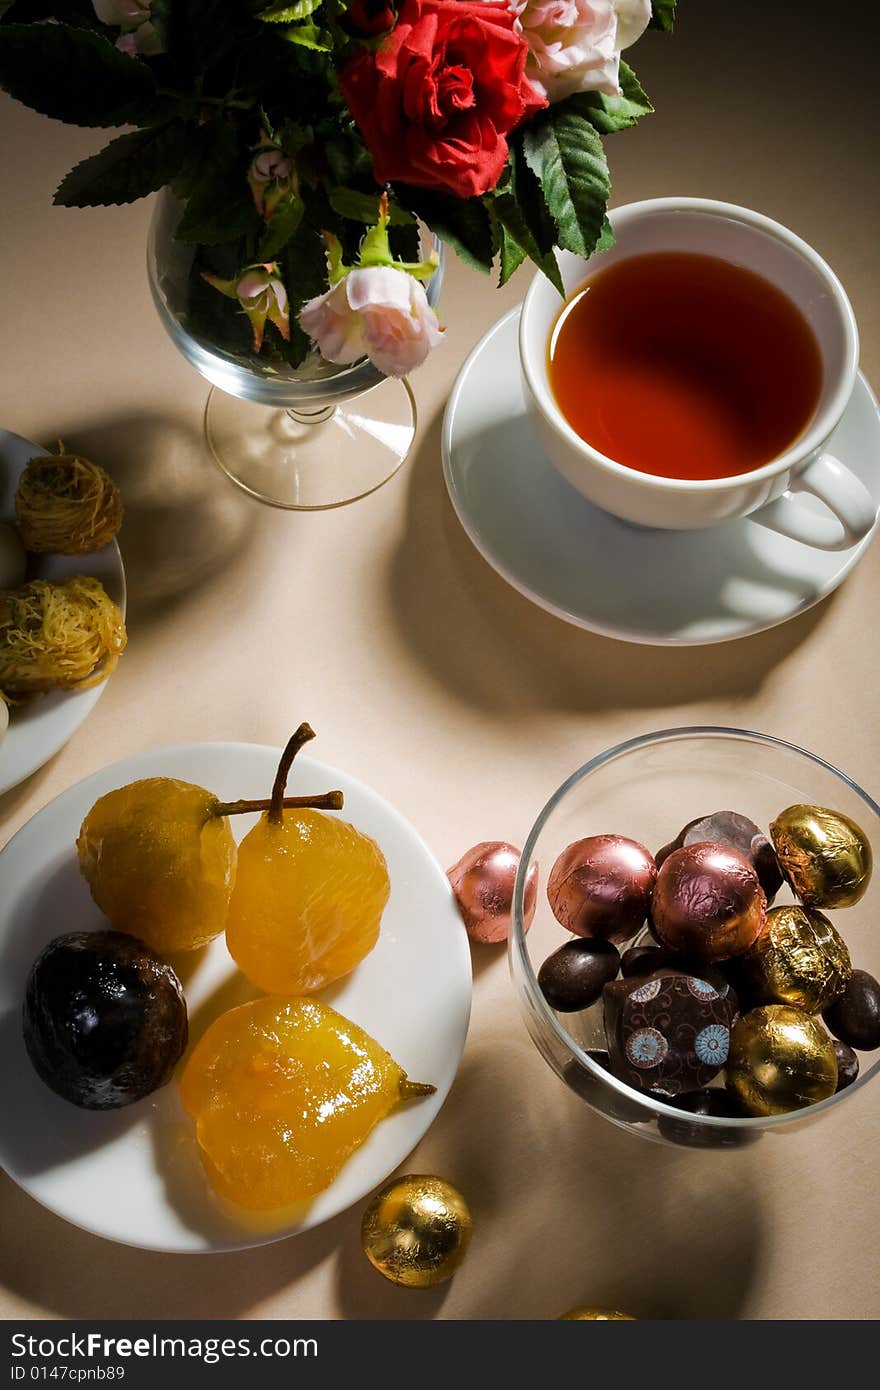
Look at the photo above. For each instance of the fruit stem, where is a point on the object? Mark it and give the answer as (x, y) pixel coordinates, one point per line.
(304, 733)
(410, 1090)
(328, 801)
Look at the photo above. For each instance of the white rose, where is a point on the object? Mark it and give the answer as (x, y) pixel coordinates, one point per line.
(376, 312)
(575, 45)
(133, 17)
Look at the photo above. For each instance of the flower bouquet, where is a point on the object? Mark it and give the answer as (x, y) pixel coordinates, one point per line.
(308, 146)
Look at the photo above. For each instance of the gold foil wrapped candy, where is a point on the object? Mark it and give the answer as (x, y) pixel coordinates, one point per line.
(416, 1231)
(799, 959)
(780, 1059)
(824, 855)
(597, 1315)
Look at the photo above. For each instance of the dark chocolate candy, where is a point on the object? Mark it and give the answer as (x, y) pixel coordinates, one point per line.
(738, 832)
(601, 1096)
(668, 1034)
(854, 1017)
(602, 886)
(574, 976)
(716, 1102)
(847, 1065)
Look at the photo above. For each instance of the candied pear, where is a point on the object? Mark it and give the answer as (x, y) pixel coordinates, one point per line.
(160, 862)
(308, 898)
(282, 1092)
(159, 857)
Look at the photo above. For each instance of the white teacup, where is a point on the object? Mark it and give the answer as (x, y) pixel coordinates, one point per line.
(771, 495)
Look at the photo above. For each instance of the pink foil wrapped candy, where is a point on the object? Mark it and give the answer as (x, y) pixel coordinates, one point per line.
(482, 882)
(602, 886)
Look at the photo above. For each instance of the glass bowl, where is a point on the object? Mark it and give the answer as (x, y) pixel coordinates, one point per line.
(306, 438)
(647, 789)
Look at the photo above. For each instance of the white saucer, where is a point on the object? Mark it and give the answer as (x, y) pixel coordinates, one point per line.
(133, 1175)
(666, 588)
(38, 729)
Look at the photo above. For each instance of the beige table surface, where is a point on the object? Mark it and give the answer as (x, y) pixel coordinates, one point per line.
(465, 706)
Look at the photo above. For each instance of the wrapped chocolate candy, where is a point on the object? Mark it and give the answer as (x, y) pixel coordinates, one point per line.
(416, 1231)
(824, 855)
(781, 1059)
(708, 903)
(574, 976)
(668, 1034)
(602, 886)
(854, 1017)
(798, 959)
(737, 832)
(482, 882)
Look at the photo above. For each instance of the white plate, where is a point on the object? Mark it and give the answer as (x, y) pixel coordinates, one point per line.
(41, 727)
(133, 1175)
(666, 588)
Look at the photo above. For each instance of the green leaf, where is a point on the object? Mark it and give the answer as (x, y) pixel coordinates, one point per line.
(515, 222)
(309, 36)
(364, 207)
(73, 75)
(606, 237)
(462, 222)
(511, 255)
(566, 155)
(78, 13)
(610, 114)
(289, 14)
(663, 15)
(305, 275)
(127, 169)
(220, 206)
(284, 222)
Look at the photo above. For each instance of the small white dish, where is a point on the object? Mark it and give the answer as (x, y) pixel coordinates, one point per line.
(662, 588)
(40, 728)
(134, 1175)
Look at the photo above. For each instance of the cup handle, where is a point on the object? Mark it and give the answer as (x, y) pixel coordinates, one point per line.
(853, 509)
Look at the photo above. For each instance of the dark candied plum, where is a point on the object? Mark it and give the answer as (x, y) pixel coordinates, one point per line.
(104, 1019)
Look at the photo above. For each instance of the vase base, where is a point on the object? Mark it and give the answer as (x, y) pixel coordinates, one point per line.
(312, 460)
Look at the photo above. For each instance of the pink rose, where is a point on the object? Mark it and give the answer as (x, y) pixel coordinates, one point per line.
(376, 312)
(139, 35)
(575, 45)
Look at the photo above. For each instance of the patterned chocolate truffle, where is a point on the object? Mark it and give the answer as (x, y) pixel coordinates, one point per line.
(668, 1034)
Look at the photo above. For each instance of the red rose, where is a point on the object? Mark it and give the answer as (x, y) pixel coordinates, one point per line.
(436, 99)
(371, 16)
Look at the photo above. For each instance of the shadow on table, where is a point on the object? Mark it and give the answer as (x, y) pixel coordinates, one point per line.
(75, 1275)
(499, 651)
(569, 1210)
(184, 522)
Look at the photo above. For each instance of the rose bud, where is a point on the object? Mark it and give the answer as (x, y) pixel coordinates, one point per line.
(262, 295)
(370, 18)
